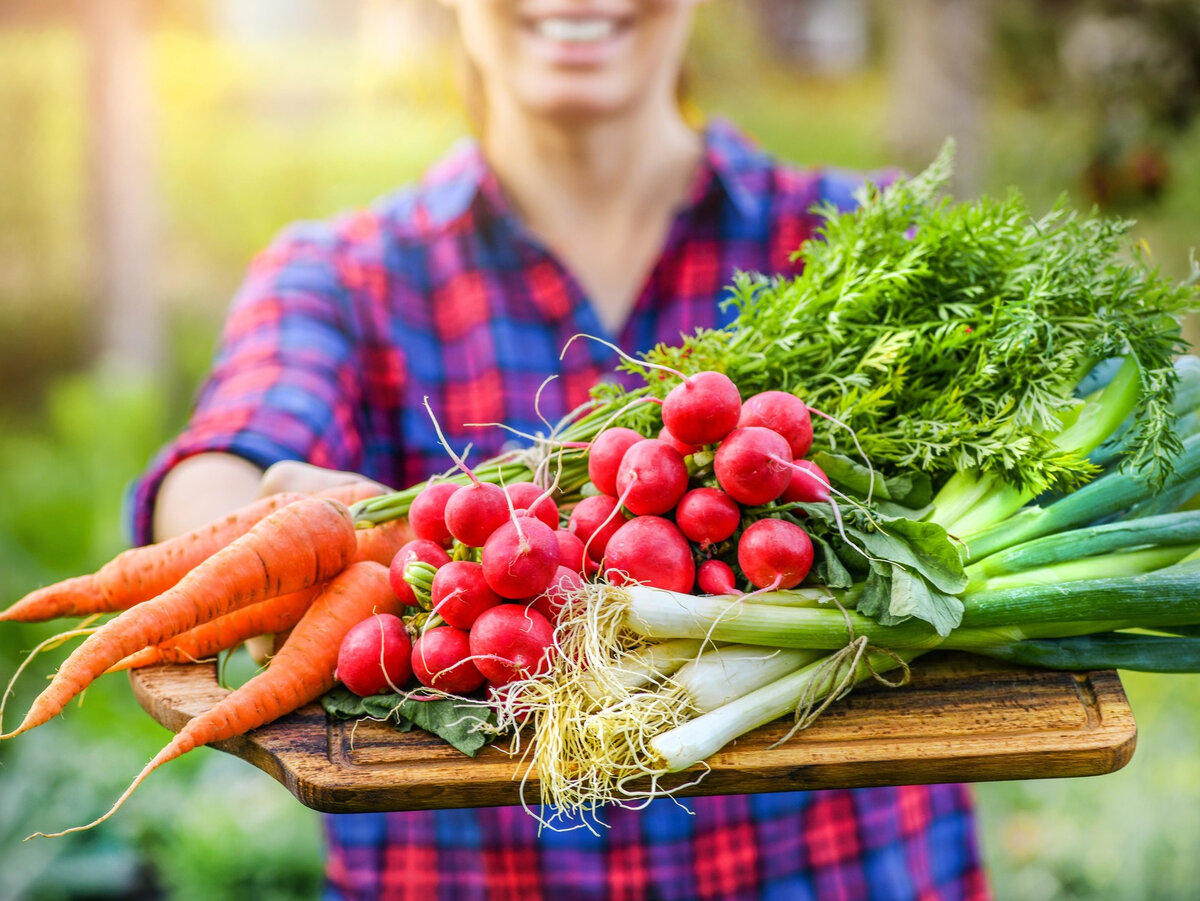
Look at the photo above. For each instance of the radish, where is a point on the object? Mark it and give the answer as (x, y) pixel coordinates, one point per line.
(571, 553)
(440, 661)
(650, 550)
(460, 593)
(520, 557)
(528, 496)
(753, 465)
(604, 456)
(703, 409)
(418, 549)
(707, 516)
(427, 513)
(664, 434)
(562, 584)
(652, 477)
(783, 413)
(716, 577)
(510, 642)
(808, 485)
(475, 511)
(594, 521)
(775, 554)
(375, 656)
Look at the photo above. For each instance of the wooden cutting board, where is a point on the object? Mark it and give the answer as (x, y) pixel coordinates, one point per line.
(961, 719)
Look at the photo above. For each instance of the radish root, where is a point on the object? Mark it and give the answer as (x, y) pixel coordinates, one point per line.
(624, 356)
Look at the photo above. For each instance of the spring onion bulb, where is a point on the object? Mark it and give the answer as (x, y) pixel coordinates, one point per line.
(701, 737)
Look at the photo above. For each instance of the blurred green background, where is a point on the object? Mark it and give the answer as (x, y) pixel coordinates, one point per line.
(151, 149)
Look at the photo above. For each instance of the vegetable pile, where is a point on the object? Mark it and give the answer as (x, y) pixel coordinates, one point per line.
(960, 427)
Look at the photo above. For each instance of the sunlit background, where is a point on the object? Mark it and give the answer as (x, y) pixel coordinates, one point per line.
(149, 149)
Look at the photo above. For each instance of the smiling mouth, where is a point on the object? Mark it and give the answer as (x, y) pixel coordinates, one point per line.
(576, 30)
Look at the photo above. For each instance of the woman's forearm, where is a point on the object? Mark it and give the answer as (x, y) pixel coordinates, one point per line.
(211, 485)
(201, 489)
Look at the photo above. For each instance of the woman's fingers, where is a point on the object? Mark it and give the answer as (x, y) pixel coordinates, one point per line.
(292, 475)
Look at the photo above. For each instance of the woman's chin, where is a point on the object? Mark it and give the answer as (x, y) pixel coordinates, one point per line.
(574, 101)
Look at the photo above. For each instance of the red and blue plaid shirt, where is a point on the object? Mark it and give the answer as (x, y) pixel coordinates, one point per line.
(339, 332)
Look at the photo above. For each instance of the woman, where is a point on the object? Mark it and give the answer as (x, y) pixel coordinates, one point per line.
(587, 205)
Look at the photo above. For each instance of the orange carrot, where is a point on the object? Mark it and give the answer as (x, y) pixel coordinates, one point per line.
(267, 617)
(380, 543)
(141, 573)
(304, 544)
(301, 672)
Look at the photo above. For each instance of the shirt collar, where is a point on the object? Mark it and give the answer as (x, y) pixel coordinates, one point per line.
(731, 162)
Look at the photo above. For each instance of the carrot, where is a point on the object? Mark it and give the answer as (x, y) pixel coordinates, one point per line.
(304, 544)
(300, 673)
(267, 617)
(141, 573)
(381, 542)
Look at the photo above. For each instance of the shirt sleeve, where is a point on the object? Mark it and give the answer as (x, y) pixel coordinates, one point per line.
(284, 383)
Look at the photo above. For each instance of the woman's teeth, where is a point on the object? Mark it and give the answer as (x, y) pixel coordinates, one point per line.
(577, 31)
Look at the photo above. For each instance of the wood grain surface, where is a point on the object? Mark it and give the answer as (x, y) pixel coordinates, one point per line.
(960, 719)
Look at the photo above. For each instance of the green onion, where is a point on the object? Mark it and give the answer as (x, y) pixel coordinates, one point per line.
(1164, 597)
(1130, 563)
(726, 674)
(1111, 494)
(1096, 421)
(1170, 529)
(701, 737)
(1110, 650)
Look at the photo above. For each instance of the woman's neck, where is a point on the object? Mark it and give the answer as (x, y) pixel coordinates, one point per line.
(602, 195)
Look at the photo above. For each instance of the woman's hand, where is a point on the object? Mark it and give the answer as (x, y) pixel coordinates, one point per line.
(292, 475)
(212, 485)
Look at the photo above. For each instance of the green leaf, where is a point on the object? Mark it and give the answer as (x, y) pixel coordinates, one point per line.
(910, 489)
(876, 598)
(893, 594)
(913, 595)
(465, 725)
(342, 703)
(828, 568)
(923, 547)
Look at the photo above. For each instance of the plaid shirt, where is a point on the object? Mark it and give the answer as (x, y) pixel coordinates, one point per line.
(339, 332)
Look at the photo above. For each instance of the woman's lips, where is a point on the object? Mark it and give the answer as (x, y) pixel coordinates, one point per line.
(578, 40)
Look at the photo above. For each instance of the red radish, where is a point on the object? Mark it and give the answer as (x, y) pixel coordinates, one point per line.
(427, 513)
(703, 409)
(439, 661)
(528, 496)
(604, 456)
(664, 434)
(652, 477)
(375, 655)
(809, 484)
(783, 413)
(520, 557)
(554, 598)
(510, 642)
(460, 593)
(707, 516)
(570, 550)
(475, 511)
(753, 466)
(774, 553)
(650, 550)
(594, 521)
(716, 577)
(418, 549)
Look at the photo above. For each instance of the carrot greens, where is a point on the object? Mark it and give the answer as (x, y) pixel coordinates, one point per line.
(950, 337)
